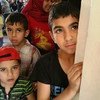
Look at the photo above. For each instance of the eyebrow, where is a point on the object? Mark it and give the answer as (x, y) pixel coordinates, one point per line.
(73, 24)
(11, 66)
(16, 65)
(57, 27)
(69, 25)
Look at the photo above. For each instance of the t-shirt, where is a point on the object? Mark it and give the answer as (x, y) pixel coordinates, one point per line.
(49, 71)
(19, 91)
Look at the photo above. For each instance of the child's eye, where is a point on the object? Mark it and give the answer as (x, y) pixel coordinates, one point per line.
(15, 67)
(74, 27)
(19, 30)
(2, 69)
(58, 31)
(9, 30)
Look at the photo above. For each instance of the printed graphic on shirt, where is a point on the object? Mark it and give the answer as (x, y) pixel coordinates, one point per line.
(56, 90)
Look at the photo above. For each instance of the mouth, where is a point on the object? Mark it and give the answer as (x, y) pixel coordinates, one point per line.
(71, 46)
(14, 41)
(10, 80)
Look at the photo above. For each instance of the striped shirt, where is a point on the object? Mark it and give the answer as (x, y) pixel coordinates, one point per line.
(19, 91)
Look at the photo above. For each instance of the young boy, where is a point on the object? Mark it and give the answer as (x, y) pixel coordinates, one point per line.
(56, 73)
(12, 87)
(17, 30)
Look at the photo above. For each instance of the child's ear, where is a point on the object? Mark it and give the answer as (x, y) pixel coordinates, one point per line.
(27, 33)
(52, 36)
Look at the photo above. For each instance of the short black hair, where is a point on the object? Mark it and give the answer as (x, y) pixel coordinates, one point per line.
(17, 17)
(63, 9)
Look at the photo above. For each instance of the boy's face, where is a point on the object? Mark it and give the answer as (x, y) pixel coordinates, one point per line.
(47, 4)
(9, 72)
(16, 33)
(64, 33)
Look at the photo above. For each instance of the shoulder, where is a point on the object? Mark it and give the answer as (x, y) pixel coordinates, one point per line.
(24, 84)
(23, 81)
(48, 58)
(26, 48)
(31, 47)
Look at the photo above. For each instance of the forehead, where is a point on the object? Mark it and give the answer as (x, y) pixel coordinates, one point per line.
(64, 21)
(17, 25)
(8, 63)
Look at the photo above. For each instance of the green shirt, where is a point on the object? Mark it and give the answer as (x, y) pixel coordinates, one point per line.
(19, 91)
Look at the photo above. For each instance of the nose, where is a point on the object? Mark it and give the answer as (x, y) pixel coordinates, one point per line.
(13, 33)
(10, 73)
(67, 36)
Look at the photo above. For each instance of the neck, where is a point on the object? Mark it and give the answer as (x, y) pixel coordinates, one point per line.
(65, 60)
(18, 47)
(65, 56)
(7, 90)
(6, 87)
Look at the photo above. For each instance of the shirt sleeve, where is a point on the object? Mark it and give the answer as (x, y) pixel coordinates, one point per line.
(28, 88)
(41, 72)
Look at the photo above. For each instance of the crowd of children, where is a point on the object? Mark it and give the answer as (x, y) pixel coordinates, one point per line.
(25, 72)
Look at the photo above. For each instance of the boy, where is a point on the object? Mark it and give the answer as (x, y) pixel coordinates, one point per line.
(17, 30)
(12, 87)
(56, 73)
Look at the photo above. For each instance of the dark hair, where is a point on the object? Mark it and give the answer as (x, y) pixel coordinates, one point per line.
(63, 9)
(17, 18)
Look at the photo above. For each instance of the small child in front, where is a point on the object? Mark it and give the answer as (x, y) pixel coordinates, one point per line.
(12, 86)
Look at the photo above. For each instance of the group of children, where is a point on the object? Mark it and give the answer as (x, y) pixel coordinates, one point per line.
(55, 72)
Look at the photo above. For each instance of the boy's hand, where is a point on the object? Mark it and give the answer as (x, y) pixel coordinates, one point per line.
(74, 77)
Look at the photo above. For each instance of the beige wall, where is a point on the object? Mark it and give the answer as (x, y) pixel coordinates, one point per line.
(88, 49)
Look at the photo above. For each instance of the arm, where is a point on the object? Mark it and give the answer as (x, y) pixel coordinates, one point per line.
(67, 94)
(30, 97)
(43, 91)
(29, 91)
(74, 76)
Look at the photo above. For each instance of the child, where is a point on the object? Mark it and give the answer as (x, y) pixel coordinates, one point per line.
(5, 6)
(55, 72)
(12, 87)
(17, 30)
(37, 13)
